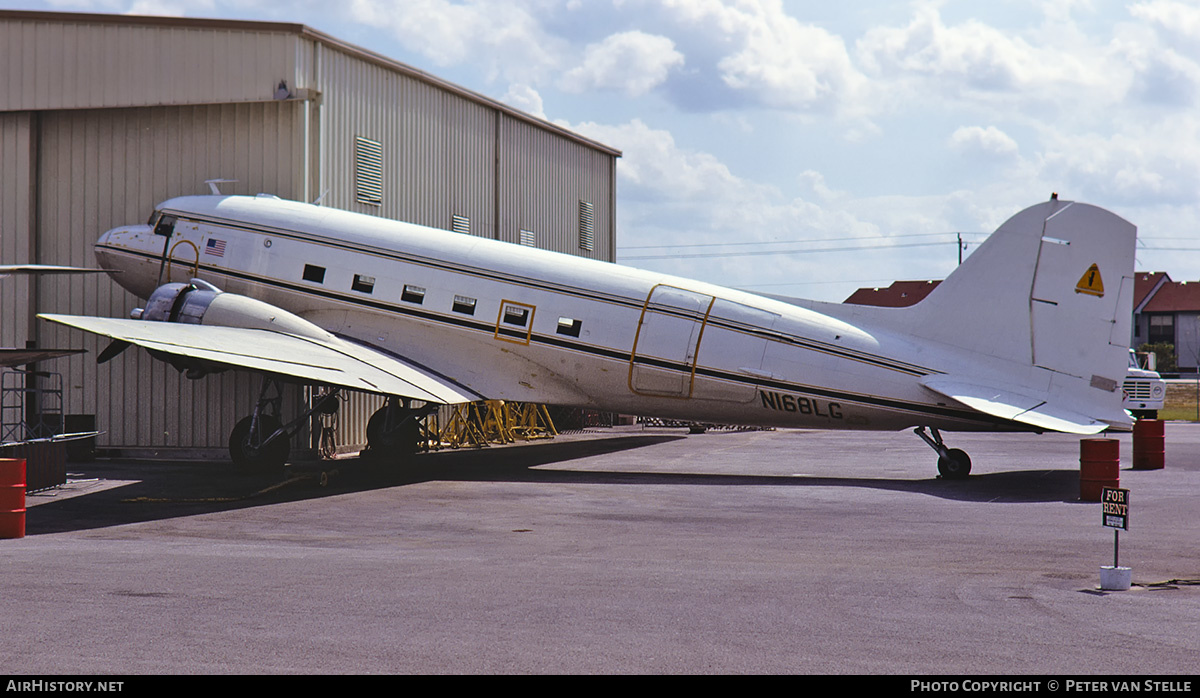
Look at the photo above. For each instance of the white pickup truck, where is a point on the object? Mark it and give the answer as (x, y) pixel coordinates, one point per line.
(1144, 390)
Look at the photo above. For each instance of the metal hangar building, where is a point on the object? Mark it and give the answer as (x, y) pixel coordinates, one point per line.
(104, 116)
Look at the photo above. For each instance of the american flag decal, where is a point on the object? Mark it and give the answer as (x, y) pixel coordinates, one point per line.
(215, 247)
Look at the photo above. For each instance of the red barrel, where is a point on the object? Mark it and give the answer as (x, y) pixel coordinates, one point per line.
(12, 497)
(1099, 467)
(1149, 444)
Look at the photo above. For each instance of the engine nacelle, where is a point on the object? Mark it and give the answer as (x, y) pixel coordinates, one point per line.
(178, 302)
(200, 303)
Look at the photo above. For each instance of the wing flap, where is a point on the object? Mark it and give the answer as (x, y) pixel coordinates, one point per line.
(338, 362)
(1017, 406)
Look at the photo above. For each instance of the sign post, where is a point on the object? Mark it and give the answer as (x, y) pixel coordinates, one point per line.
(1114, 512)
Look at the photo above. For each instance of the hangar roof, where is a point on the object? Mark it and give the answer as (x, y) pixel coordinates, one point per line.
(68, 60)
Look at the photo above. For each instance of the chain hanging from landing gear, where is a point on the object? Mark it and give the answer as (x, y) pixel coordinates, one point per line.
(327, 422)
(953, 463)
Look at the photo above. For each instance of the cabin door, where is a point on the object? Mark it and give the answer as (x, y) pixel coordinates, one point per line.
(663, 360)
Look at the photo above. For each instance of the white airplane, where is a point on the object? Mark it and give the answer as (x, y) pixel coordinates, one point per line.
(1031, 333)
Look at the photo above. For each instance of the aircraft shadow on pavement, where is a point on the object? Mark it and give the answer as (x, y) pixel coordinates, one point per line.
(169, 489)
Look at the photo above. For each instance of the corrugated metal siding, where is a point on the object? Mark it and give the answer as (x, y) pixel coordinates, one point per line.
(441, 159)
(81, 64)
(438, 148)
(447, 152)
(17, 155)
(542, 181)
(99, 169)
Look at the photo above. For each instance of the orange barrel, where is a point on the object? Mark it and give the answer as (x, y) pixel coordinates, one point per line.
(1099, 467)
(1149, 444)
(12, 497)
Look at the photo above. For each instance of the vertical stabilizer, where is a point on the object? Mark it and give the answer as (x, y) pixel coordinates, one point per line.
(1045, 306)
(1052, 287)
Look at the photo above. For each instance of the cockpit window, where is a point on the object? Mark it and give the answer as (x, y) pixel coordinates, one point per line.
(153, 218)
(165, 226)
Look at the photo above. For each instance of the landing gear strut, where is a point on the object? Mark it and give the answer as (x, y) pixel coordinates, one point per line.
(953, 463)
(262, 441)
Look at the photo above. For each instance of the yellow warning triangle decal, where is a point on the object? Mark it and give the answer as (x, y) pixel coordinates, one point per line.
(1091, 283)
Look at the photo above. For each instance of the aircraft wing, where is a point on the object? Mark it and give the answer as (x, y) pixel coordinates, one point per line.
(38, 269)
(338, 361)
(16, 357)
(1008, 404)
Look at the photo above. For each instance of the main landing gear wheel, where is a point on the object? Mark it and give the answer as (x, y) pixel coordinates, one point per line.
(247, 447)
(953, 463)
(393, 431)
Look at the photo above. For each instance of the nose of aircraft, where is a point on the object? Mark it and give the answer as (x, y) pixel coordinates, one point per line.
(109, 244)
(101, 252)
(131, 255)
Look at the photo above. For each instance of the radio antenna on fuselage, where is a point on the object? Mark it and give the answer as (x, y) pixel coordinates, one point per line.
(212, 185)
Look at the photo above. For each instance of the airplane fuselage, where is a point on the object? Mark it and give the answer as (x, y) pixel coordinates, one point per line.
(523, 324)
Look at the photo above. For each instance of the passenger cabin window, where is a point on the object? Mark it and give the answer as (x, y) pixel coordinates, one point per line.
(464, 305)
(569, 326)
(413, 294)
(363, 284)
(165, 226)
(516, 315)
(314, 273)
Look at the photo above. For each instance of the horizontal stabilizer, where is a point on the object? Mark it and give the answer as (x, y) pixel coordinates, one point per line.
(1016, 406)
(337, 362)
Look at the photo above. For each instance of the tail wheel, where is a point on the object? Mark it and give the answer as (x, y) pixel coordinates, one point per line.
(955, 465)
(248, 450)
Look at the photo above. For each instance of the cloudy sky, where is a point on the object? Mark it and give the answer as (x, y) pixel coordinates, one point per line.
(757, 132)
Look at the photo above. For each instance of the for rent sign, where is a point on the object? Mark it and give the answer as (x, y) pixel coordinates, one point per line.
(1115, 507)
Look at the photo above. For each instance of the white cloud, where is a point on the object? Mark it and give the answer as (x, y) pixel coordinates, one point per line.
(977, 140)
(976, 56)
(671, 195)
(657, 167)
(525, 98)
(1137, 168)
(1157, 73)
(770, 57)
(633, 62)
(505, 37)
(1175, 17)
(791, 65)
(169, 8)
(1165, 77)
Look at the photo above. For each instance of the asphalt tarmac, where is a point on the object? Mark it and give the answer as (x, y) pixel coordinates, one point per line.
(614, 551)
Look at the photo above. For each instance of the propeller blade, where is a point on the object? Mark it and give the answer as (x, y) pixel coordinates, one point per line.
(110, 352)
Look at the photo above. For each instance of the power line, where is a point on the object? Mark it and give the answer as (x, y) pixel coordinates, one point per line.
(860, 248)
(870, 244)
(789, 242)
